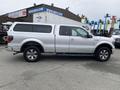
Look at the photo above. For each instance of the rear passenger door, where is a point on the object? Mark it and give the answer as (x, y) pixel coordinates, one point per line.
(62, 39)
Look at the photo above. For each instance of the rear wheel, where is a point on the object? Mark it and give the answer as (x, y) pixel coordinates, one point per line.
(31, 54)
(103, 54)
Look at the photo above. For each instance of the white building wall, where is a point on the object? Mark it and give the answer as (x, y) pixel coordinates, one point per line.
(46, 17)
(40, 17)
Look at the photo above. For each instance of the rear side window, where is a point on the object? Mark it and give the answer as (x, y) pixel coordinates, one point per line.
(23, 28)
(42, 28)
(64, 31)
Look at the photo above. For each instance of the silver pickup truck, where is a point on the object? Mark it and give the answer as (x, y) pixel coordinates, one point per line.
(33, 39)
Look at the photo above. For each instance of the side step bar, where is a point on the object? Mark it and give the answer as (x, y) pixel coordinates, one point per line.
(69, 54)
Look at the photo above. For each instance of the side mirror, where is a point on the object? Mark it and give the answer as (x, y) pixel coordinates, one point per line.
(89, 36)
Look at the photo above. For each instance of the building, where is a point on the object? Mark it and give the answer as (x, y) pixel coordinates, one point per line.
(42, 13)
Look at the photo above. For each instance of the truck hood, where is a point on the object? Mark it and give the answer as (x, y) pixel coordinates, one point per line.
(108, 39)
(115, 36)
(105, 40)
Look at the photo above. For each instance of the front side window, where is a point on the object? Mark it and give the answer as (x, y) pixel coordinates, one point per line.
(73, 31)
(76, 31)
(23, 28)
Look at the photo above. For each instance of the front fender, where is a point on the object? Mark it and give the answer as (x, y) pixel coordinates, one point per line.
(105, 42)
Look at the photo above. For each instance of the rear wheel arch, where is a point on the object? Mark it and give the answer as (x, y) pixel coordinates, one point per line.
(32, 43)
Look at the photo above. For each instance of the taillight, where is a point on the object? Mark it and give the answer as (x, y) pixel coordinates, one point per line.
(8, 39)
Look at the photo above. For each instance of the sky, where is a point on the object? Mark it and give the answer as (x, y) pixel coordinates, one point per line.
(93, 9)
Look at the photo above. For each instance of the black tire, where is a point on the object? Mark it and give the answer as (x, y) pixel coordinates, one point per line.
(31, 54)
(103, 54)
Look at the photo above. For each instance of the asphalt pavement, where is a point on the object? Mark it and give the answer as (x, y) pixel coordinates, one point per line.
(58, 73)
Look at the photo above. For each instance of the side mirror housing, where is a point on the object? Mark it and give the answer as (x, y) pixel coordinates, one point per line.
(89, 36)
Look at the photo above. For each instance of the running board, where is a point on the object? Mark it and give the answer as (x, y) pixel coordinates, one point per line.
(69, 54)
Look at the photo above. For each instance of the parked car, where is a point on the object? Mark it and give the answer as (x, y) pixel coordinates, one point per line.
(4, 27)
(33, 39)
(116, 36)
(2, 34)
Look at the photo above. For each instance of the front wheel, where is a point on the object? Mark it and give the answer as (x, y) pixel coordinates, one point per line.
(31, 54)
(103, 54)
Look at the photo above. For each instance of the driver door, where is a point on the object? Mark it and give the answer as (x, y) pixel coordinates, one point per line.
(79, 41)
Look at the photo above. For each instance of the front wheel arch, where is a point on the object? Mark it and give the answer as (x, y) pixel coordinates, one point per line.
(103, 45)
